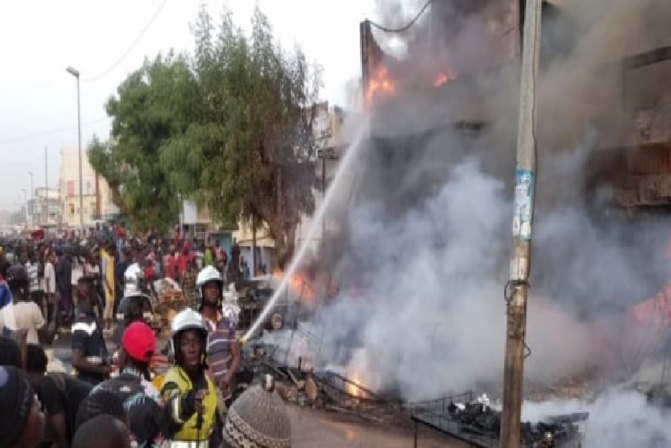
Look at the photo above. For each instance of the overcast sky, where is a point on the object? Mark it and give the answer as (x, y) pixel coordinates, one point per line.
(40, 38)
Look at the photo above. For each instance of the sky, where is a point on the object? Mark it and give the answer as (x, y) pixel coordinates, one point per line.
(40, 38)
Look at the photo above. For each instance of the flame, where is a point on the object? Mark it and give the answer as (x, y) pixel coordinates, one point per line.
(352, 388)
(444, 77)
(379, 85)
(299, 284)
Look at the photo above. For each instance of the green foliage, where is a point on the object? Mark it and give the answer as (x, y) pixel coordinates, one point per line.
(232, 128)
(151, 106)
(248, 151)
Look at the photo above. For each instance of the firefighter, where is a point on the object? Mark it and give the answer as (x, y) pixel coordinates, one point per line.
(187, 388)
(223, 354)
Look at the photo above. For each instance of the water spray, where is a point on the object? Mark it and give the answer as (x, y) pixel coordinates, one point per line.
(317, 218)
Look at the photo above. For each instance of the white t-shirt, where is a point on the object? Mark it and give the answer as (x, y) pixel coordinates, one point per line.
(77, 272)
(49, 278)
(7, 319)
(31, 270)
(92, 269)
(27, 315)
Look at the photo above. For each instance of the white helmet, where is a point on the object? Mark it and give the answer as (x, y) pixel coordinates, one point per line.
(183, 321)
(206, 275)
(187, 320)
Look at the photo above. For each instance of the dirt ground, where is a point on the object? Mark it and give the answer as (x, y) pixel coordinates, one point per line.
(316, 429)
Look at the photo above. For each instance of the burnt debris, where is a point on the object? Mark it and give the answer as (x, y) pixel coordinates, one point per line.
(477, 423)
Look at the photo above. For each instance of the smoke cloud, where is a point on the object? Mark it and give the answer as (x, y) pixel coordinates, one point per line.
(618, 418)
(421, 242)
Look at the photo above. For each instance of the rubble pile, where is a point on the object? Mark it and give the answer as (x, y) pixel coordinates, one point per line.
(459, 416)
(324, 390)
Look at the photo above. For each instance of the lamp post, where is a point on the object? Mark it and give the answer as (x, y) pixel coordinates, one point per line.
(25, 204)
(75, 73)
(32, 198)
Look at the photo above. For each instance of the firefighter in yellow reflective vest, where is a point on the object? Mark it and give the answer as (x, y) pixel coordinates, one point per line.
(187, 389)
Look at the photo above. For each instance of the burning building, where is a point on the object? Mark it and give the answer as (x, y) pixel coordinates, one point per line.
(425, 220)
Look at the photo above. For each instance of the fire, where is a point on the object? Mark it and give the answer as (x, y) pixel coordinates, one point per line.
(353, 387)
(298, 284)
(379, 85)
(444, 77)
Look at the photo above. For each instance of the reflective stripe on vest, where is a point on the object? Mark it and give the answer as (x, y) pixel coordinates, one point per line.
(182, 444)
(189, 432)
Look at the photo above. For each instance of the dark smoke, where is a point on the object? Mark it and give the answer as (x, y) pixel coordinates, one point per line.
(423, 241)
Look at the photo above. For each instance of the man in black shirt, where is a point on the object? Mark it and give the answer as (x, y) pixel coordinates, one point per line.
(64, 285)
(89, 351)
(60, 395)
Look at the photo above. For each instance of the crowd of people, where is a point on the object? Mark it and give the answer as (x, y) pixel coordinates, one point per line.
(73, 289)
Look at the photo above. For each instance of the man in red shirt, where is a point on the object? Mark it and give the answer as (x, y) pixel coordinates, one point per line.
(184, 257)
(169, 263)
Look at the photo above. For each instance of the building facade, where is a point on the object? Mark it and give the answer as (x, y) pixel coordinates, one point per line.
(45, 210)
(96, 195)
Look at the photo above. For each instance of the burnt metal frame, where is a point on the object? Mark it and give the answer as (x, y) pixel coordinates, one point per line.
(434, 414)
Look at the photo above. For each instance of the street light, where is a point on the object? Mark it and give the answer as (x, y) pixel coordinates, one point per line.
(25, 203)
(32, 197)
(75, 73)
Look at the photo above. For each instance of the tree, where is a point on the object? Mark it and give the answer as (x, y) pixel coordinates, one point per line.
(249, 153)
(152, 105)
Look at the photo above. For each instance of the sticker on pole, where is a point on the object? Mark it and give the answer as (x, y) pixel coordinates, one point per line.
(524, 206)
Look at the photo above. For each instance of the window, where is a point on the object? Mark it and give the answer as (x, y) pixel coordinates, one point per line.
(72, 209)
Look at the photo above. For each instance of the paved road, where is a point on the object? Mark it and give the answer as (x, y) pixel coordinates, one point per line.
(315, 429)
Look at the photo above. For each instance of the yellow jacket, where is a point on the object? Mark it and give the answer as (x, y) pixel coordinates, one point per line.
(175, 385)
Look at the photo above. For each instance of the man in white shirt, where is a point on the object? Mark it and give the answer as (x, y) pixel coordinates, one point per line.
(26, 314)
(50, 283)
(32, 269)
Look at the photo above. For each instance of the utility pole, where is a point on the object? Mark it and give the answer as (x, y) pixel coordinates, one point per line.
(74, 72)
(520, 260)
(25, 204)
(32, 200)
(46, 187)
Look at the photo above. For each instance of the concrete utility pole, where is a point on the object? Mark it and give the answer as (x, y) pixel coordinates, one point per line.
(25, 204)
(74, 72)
(520, 261)
(32, 200)
(46, 187)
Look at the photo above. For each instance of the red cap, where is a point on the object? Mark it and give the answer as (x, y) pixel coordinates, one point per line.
(139, 342)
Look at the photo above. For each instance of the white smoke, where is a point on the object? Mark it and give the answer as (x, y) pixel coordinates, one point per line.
(618, 419)
(432, 318)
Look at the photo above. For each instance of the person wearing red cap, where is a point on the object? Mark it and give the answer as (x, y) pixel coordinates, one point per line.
(148, 417)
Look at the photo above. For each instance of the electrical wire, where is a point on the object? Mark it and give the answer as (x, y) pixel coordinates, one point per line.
(406, 27)
(130, 48)
(49, 132)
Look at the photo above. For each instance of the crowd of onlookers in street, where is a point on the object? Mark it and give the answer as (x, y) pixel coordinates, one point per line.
(71, 287)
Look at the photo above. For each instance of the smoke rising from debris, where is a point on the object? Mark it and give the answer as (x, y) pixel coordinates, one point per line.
(618, 419)
(424, 232)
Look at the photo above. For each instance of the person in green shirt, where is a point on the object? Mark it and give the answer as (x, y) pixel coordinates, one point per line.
(208, 259)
